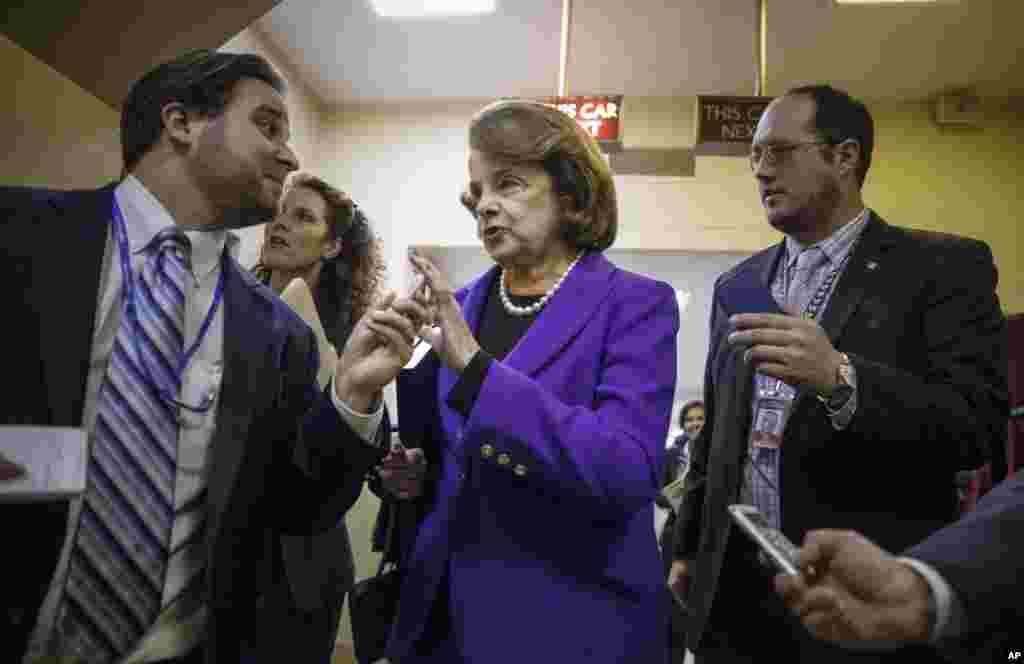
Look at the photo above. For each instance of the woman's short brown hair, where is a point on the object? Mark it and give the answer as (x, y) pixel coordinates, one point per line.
(532, 132)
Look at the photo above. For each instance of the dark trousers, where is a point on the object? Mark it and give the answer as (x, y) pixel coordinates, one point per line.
(677, 622)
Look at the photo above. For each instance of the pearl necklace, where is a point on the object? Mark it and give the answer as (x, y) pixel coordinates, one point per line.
(539, 304)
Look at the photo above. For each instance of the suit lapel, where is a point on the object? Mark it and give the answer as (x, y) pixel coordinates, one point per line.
(563, 317)
(565, 314)
(769, 260)
(862, 275)
(248, 349)
(759, 270)
(66, 323)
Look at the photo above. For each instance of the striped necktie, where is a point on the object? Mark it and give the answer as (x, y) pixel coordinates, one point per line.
(119, 557)
(808, 267)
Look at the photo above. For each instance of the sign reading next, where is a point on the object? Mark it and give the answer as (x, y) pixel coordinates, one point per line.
(726, 125)
(600, 116)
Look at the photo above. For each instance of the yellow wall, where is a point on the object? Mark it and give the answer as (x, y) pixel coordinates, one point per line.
(55, 133)
(963, 181)
(406, 167)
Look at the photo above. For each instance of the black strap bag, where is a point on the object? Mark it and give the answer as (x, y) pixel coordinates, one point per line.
(373, 602)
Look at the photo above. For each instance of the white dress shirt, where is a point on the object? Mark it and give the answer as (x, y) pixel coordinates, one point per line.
(950, 618)
(145, 216)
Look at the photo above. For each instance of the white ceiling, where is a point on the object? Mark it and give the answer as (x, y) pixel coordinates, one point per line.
(652, 47)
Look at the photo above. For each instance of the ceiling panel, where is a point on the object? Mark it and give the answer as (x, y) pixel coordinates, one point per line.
(897, 52)
(663, 47)
(354, 56)
(654, 47)
(105, 45)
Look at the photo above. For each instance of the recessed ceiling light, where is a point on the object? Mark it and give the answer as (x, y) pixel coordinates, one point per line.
(414, 8)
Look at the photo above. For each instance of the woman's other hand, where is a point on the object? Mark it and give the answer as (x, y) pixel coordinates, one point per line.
(450, 336)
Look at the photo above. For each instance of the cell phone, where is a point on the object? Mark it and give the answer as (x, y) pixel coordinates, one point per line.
(777, 548)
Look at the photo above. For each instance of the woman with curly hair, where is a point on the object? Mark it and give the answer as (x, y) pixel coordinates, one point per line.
(321, 256)
(321, 237)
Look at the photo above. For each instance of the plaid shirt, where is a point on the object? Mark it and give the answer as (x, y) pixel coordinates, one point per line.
(761, 472)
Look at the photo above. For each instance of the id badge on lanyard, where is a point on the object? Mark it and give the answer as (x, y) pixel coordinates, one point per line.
(774, 401)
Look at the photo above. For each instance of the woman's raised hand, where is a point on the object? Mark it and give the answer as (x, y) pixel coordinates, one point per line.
(450, 336)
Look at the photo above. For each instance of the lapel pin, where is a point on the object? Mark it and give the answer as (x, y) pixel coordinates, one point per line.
(872, 265)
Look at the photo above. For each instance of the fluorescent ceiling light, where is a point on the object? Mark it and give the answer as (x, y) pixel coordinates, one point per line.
(414, 8)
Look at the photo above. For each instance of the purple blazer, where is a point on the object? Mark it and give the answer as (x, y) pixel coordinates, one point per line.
(542, 509)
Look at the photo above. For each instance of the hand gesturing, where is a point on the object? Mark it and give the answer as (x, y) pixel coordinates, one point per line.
(379, 346)
(450, 337)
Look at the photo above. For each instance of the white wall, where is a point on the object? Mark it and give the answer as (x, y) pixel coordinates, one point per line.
(406, 166)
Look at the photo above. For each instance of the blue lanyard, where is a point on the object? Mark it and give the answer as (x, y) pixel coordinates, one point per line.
(131, 312)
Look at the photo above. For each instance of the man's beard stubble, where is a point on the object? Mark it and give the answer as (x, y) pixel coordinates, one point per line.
(251, 211)
(817, 212)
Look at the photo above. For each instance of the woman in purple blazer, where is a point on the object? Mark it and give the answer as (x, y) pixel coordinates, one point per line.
(542, 413)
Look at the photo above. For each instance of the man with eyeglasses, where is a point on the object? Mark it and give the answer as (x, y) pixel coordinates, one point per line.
(854, 367)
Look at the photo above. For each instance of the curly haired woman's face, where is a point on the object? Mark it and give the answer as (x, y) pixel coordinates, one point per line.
(299, 236)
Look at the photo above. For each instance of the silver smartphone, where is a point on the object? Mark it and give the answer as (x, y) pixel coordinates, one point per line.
(776, 546)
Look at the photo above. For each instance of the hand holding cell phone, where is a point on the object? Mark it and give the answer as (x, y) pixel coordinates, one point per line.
(403, 471)
(778, 550)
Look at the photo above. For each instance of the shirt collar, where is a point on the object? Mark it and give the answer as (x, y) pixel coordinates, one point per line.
(207, 247)
(144, 217)
(834, 246)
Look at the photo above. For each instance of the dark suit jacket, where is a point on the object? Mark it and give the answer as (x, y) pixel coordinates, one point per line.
(282, 461)
(982, 558)
(918, 316)
(307, 605)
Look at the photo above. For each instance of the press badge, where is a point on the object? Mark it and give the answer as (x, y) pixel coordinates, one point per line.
(771, 411)
(769, 420)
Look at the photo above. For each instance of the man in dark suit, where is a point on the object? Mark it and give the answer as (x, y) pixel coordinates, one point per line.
(853, 369)
(959, 590)
(208, 438)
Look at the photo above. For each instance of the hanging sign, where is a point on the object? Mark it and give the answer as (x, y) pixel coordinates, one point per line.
(726, 125)
(600, 116)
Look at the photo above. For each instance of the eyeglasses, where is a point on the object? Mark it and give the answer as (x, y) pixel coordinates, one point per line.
(773, 155)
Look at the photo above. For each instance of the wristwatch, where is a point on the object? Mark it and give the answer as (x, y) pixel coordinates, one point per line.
(844, 386)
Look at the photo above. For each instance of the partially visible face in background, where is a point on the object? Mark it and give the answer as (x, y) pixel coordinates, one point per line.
(299, 235)
(694, 421)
